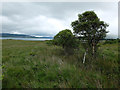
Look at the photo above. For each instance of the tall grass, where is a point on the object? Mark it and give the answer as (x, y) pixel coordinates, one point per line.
(38, 64)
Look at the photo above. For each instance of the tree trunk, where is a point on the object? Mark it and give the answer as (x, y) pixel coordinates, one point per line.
(93, 49)
(84, 57)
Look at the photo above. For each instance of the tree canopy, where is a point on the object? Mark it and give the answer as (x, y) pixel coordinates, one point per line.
(89, 29)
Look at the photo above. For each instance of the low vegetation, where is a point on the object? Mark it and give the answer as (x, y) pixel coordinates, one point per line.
(40, 64)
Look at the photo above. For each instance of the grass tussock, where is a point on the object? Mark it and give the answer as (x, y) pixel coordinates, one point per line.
(39, 64)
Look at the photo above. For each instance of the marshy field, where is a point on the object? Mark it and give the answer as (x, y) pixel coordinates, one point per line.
(39, 64)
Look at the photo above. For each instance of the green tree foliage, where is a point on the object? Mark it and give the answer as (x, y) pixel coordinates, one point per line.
(90, 30)
(66, 39)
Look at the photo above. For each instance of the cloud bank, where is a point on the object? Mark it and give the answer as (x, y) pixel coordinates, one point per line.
(48, 18)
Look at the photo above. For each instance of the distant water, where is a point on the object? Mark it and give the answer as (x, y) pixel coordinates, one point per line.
(28, 39)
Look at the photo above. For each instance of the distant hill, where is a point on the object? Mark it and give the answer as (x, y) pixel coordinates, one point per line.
(20, 35)
(14, 35)
(111, 36)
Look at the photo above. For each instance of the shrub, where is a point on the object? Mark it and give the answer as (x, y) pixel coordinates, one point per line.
(67, 40)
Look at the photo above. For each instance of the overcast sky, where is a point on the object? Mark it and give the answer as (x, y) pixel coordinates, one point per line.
(47, 19)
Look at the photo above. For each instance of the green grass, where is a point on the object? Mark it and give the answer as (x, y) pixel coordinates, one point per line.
(37, 64)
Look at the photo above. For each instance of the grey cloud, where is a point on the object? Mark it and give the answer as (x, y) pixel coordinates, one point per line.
(49, 18)
(119, 19)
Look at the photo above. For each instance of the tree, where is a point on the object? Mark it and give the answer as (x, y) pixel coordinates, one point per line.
(66, 39)
(90, 30)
